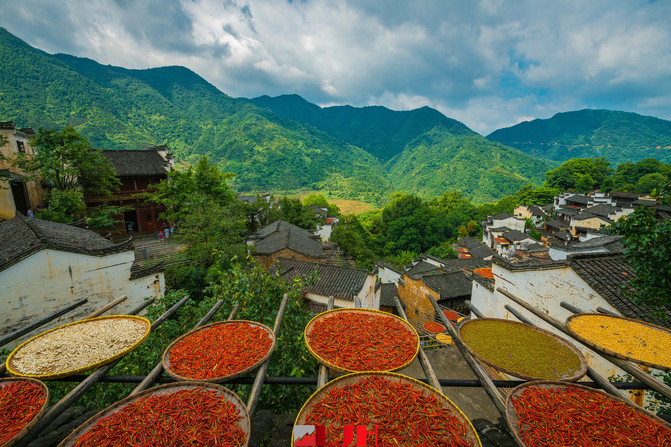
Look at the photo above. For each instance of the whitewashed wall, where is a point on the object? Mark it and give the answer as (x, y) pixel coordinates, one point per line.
(49, 280)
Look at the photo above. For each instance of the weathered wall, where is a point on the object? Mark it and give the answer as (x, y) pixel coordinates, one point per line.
(269, 260)
(414, 295)
(50, 280)
(593, 223)
(7, 205)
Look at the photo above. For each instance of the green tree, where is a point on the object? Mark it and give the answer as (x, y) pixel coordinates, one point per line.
(204, 210)
(293, 211)
(650, 182)
(66, 159)
(319, 200)
(578, 173)
(647, 248)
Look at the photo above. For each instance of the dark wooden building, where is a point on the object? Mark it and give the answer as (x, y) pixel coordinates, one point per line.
(137, 170)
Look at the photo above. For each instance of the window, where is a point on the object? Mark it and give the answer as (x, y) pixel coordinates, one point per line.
(20, 146)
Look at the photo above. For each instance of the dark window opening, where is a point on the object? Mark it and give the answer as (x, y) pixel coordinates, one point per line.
(20, 146)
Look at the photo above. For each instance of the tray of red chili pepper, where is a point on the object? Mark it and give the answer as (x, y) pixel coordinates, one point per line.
(22, 402)
(387, 409)
(548, 413)
(179, 414)
(219, 351)
(358, 340)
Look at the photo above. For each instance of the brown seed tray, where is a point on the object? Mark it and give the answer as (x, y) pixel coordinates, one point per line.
(163, 390)
(569, 347)
(595, 345)
(57, 375)
(513, 419)
(174, 375)
(329, 313)
(471, 435)
(39, 414)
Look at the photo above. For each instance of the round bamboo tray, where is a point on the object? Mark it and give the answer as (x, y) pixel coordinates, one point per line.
(513, 419)
(13, 369)
(329, 313)
(219, 379)
(569, 348)
(471, 435)
(36, 418)
(164, 390)
(664, 332)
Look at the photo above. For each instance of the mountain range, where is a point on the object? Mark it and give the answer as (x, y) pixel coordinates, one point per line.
(283, 144)
(618, 136)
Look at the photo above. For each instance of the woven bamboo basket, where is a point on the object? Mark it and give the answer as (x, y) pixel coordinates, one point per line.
(664, 332)
(513, 419)
(164, 390)
(13, 369)
(471, 435)
(567, 346)
(36, 418)
(219, 379)
(329, 313)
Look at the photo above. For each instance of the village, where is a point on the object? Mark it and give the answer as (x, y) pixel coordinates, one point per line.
(562, 265)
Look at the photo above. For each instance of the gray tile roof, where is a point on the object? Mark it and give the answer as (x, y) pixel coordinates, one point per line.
(602, 210)
(280, 235)
(476, 248)
(610, 276)
(133, 162)
(515, 236)
(387, 294)
(449, 285)
(610, 242)
(339, 282)
(20, 237)
(578, 198)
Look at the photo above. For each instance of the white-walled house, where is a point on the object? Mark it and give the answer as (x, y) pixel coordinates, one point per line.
(586, 281)
(344, 284)
(498, 224)
(46, 266)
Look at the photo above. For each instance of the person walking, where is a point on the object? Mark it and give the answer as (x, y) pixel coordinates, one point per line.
(160, 236)
(166, 233)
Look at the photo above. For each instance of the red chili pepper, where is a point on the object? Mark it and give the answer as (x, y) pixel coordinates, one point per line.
(195, 417)
(403, 415)
(362, 342)
(20, 401)
(220, 350)
(576, 417)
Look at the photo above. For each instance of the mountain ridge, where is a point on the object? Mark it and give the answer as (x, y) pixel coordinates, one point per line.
(618, 136)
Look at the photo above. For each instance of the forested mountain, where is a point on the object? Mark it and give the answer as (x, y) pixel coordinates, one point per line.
(424, 151)
(618, 136)
(288, 145)
(382, 132)
(117, 108)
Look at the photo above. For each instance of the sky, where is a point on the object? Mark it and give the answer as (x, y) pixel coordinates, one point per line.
(486, 63)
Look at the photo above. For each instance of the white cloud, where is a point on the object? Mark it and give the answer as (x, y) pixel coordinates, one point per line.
(487, 63)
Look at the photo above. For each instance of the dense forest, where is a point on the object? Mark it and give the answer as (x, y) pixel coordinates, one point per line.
(617, 136)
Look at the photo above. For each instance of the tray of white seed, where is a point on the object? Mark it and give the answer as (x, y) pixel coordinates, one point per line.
(78, 347)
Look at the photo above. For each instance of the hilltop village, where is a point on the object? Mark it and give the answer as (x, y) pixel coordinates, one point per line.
(161, 242)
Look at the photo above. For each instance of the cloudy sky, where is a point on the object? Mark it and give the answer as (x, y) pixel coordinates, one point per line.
(487, 63)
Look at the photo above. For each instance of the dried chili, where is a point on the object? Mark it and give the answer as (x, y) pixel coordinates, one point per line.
(220, 350)
(403, 415)
(195, 417)
(363, 342)
(571, 416)
(433, 327)
(20, 402)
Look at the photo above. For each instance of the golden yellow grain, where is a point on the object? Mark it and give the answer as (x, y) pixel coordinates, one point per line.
(629, 338)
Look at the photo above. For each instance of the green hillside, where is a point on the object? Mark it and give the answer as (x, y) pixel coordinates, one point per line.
(424, 152)
(618, 136)
(382, 132)
(117, 108)
(439, 161)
